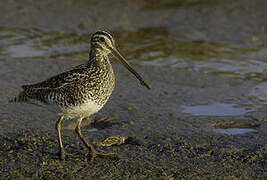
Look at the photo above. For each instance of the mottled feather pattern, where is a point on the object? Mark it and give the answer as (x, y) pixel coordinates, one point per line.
(82, 91)
(93, 81)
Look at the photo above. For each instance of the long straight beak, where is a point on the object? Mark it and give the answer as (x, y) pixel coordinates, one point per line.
(116, 53)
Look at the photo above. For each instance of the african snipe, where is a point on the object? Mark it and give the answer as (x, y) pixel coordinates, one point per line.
(82, 91)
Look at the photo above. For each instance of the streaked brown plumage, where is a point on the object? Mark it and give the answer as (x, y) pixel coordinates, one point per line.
(82, 91)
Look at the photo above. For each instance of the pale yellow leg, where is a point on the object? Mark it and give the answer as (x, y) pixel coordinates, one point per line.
(94, 153)
(61, 151)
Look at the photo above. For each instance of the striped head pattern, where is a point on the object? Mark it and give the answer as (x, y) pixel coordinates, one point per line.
(103, 41)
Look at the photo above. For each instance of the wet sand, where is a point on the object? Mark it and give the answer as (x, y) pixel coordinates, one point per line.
(168, 143)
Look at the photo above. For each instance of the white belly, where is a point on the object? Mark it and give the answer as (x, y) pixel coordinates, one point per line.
(83, 110)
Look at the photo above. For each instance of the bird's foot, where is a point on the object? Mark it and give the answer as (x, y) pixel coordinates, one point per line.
(95, 154)
(61, 154)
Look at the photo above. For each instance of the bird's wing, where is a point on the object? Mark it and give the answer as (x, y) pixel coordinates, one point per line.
(57, 87)
(59, 81)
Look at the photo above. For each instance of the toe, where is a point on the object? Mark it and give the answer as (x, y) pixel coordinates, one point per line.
(105, 155)
(61, 154)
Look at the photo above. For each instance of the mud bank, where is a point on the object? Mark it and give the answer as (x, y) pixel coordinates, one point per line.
(169, 143)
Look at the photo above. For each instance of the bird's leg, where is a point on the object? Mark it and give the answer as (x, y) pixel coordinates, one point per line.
(94, 153)
(61, 151)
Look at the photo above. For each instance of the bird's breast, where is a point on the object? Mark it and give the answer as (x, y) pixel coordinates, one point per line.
(83, 110)
(103, 86)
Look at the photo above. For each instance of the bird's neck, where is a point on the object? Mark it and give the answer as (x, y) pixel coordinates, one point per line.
(99, 58)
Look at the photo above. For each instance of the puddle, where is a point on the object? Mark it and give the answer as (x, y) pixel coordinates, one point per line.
(235, 131)
(215, 110)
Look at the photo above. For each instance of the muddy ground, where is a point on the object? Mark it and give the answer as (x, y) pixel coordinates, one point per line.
(167, 142)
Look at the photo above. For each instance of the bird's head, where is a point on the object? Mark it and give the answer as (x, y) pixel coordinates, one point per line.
(105, 43)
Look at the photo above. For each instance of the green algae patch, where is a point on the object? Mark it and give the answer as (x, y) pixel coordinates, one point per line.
(237, 124)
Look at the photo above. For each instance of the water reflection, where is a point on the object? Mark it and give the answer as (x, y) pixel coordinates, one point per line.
(23, 42)
(146, 46)
(235, 131)
(260, 92)
(155, 46)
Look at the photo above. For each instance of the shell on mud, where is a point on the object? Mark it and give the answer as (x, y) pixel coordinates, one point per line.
(113, 140)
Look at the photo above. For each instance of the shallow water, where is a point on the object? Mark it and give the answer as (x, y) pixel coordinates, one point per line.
(235, 131)
(156, 49)
(260, 92)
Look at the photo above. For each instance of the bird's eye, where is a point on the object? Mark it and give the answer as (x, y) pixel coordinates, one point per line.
(102, 39)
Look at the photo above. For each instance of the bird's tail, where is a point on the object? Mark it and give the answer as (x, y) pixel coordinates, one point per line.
(20, 98)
